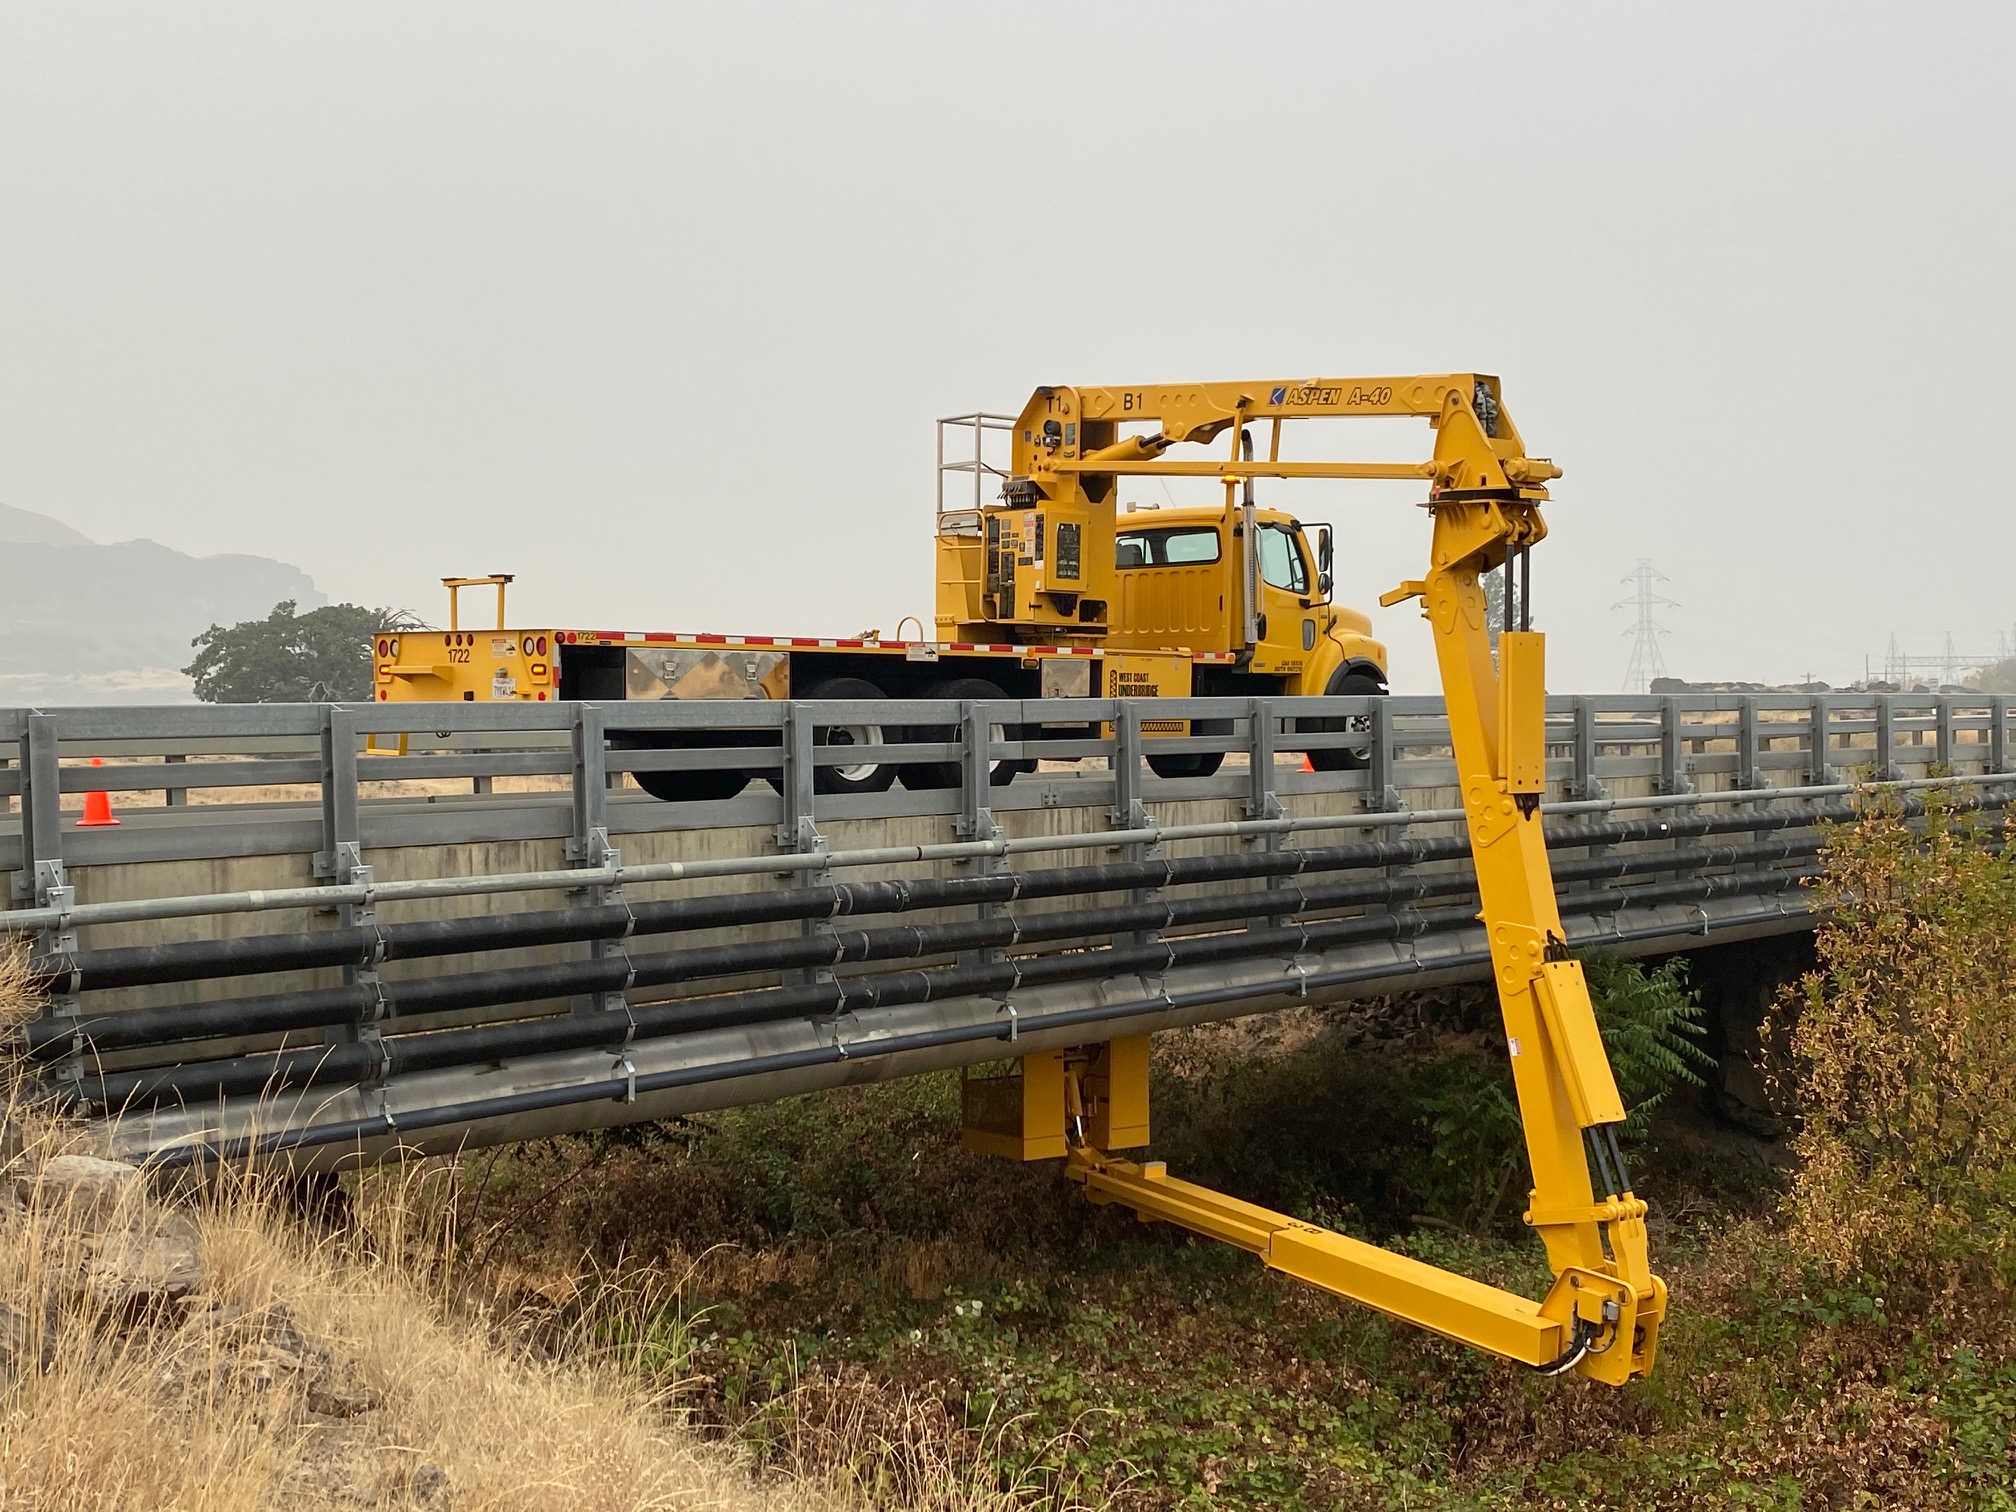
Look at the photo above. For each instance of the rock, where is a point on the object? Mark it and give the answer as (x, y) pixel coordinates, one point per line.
(92, 1188)
(156, 1261)
(429, 1486)
(333, 1393)
(1742, 1098)
(265, 1351)
(26, 1347)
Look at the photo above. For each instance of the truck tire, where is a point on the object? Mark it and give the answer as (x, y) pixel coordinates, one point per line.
(868, 776)
(1194, 763)
(923, 776)
(1345, 682)
(707, 786)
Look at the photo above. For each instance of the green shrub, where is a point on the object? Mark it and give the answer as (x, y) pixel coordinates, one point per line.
(1652, 1028)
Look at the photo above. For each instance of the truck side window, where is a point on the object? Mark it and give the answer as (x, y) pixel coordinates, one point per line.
(1281, 564)
(1171, 547)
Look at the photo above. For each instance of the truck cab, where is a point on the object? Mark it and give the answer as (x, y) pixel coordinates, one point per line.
(1177, 577)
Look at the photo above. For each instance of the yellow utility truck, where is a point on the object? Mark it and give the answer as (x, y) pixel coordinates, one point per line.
(1049, 588)
(1046, 590)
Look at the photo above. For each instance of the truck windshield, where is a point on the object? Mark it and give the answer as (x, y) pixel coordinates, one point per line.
(1170, 547)
(1281, 564)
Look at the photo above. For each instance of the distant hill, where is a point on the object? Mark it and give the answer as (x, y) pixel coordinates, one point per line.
(82, 622)
(20, 528)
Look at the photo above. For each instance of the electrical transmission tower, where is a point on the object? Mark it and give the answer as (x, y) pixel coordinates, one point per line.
(1647, 661)
(1902, 669)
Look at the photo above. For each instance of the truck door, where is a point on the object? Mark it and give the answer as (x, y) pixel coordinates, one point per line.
(1171, 587)
(1287, 600)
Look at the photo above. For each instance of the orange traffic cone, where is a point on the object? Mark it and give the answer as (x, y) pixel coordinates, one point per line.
(97, 807)
(1307, 764)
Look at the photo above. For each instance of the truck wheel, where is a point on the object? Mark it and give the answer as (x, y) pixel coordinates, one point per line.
(710, 786)
(925, 775)
(864, 776)
(1194, 763)
(1351, 758)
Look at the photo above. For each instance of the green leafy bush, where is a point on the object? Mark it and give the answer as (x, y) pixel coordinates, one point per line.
(1474, 1168)
(1652, 1028)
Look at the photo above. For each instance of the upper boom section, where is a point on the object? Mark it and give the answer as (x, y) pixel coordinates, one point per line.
(1064, 432)
(1039, 561)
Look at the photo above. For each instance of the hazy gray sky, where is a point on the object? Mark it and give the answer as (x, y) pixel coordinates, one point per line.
(654, 305)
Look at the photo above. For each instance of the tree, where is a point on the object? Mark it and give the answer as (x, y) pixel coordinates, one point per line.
(1493, 584)
(2000, 678)
(321, 656)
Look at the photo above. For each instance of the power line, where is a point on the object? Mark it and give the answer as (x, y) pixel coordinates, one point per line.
(1647, 660)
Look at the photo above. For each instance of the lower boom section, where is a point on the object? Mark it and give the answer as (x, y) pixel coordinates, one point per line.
(1596, 1323)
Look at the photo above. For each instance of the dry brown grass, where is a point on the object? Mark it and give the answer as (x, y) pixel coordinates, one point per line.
(303, 1370)
(301, 1377)
(315, 1366)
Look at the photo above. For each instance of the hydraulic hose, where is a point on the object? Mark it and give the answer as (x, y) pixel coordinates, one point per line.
(49, 1038)
(366, 945)
(324, 1065)
(452, 1115)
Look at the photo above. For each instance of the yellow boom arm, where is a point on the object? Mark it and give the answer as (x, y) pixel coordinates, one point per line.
(1601, 1317)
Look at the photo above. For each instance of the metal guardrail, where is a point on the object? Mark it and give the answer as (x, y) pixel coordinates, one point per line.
(228, 754)
(1742, 765)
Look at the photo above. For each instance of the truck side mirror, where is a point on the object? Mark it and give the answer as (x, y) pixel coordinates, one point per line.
(1323, 586)
(1323, 562)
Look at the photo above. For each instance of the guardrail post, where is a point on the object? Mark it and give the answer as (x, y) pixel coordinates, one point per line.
(976, 816)
(798, 832)
(1886, 739)
(41, 810)
(589, 847)
(1584, 784)
(1382, 793)
(1998, 734)
(341, 862)
(1819, 770)
(1128, 811)
(175, 795)
(1262, 801)
(1942, 717)
(339, 794)
(44, 880)
(589, 789)
(1672, 760)
(1749, 774)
